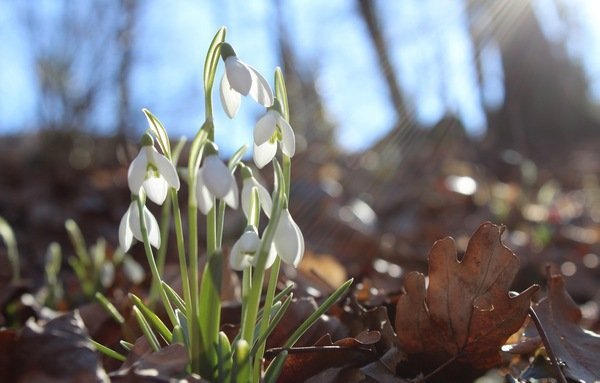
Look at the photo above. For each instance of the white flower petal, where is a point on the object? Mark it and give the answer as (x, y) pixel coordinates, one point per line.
(203, 196)
(288, 139)
(134, 222)
(166, 169)
(243, 249)
(238, 75)
(265, 127)
(125, 234)
(230, 99)
(263, 196)
(288, 240)
(271, 257)
(136, 174)
(237, 259)
(156, 189)
(260, 91)
(264, 153)
(217, 177)
(152, 227)
(232, 196)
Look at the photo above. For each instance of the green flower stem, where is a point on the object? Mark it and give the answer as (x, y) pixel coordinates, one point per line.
(183, 269)
(264, 323)
(181, 248)
(161, 256)
(152, 263)
(193, 314)
(210, 296)
(253, 301)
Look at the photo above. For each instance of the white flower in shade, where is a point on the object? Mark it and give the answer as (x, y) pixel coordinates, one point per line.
(241, 79)
(153, 172)
(264, 197)
(244, 251)
(215, 180)
(270, 128)
(130, 227)
(288, 240)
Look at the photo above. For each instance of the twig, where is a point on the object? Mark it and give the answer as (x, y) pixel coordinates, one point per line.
(553, 359)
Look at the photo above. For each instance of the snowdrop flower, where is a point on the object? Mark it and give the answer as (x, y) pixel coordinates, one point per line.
(270, 128)
(130, 227)
(215, 180)
(288, 240)
(151, 171)
(243, 253)
(264, 197)
(241, 79)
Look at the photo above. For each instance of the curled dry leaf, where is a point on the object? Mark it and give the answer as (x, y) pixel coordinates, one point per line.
(466, 313)
(576, 348)
(305, 362)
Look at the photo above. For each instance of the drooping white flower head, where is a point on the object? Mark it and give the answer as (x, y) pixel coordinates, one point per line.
(289, 241)
(244, 251)
(215, 180)
(130, 227)
(264, 197)
(151, 171)
(241, 79)
(270, 129)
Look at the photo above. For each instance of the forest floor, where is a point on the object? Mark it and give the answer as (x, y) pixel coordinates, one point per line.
(362, 217)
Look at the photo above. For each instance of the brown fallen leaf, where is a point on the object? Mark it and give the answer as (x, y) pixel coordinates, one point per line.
(466, 313)
(576, 348)
(57, 351)
(144, 365)
(304, 362)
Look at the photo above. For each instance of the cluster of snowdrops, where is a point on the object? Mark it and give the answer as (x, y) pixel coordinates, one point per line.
(194, 315)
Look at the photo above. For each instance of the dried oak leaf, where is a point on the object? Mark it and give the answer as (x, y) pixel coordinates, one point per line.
(577, 348)
(466, 313)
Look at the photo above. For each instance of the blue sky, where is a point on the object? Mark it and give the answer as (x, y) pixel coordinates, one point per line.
(329, 37)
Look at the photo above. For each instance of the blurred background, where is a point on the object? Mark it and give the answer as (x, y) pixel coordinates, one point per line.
(416, 119)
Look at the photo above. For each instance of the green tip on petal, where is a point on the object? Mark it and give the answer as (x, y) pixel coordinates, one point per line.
(147, 140)
(227, 51)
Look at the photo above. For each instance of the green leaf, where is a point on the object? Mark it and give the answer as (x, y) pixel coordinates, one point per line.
(277, 313)
(178, 149)
(107, 351)
(330, 301)
(78, 242)
(126, 345)
(225, 362)
(109, 307)
(159, 131)
(236, 158)
(174, 298)
(210, 303)
(275, 368)
(146, 330)
(240, 372)
(212, 59)
(8, 236)
(178, 335)
(281, 93)
(151, 318)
